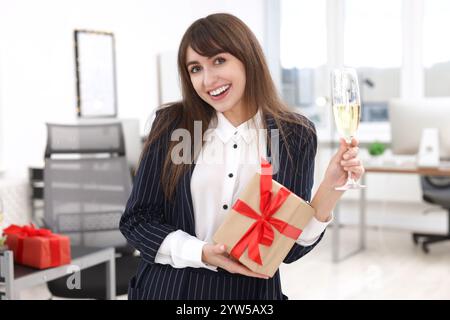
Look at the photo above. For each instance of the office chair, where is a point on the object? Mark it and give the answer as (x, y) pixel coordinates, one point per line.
(86, 185)
(436, 190)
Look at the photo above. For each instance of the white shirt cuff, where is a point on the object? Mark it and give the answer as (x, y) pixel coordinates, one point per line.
(311, 233)
(181, 250)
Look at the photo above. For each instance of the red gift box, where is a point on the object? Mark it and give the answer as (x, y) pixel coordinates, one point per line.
(264, 223)
(37, 248)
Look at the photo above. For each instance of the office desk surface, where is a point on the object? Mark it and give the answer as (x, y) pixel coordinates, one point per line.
(75, 252)
(444, 171)
(18, 277)
(403, 168)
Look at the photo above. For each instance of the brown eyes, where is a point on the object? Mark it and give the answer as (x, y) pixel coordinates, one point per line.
(197, 68)
(220, 60)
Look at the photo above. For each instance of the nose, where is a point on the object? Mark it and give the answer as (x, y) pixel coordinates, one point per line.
(209, 78)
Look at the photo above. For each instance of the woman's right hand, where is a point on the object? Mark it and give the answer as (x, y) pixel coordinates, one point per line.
(216, 255)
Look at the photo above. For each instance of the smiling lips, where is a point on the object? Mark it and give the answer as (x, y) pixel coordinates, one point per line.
(220, 92)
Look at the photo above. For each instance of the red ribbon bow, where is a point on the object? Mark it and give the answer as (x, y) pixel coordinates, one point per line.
(27, 231)
(31, 231)
(261, 232)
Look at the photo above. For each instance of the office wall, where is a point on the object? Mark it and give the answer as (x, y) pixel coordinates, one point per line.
(37, 59)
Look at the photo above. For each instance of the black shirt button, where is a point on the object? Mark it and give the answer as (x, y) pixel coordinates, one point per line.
(235, 132)
(225, 206)
(230, 175)
(235, 145)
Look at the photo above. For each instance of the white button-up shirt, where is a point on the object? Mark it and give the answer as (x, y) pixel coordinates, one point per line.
(228, 160)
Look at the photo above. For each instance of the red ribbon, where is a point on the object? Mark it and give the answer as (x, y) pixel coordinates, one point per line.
(261, 232)
(31, 231)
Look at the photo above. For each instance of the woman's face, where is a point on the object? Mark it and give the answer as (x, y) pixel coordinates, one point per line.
(218, 80)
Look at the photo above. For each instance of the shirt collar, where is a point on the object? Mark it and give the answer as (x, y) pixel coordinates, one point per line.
(225, 130)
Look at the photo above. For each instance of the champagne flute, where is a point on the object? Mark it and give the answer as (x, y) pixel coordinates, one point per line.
(347, 110)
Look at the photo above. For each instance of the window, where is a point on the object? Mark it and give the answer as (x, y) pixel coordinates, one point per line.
(373, 45)
(436, 47)
(371, 42)
(303, 55)
(389, 42)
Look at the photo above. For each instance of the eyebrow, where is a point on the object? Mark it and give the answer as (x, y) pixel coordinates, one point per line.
(196, 62)
(191, 62)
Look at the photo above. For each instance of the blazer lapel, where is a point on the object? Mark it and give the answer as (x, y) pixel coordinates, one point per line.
(278, 156)
(273, 155)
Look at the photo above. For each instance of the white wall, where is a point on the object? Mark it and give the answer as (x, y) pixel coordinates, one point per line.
(37, 80)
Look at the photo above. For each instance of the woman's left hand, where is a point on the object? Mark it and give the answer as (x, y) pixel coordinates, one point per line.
(344, 160)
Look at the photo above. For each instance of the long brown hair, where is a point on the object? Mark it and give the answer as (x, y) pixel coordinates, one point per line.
(218, 33)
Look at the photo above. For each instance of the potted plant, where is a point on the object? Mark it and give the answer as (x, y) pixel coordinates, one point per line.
(376, 149)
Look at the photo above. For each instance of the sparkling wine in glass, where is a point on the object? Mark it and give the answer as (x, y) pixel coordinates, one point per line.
(346, 110)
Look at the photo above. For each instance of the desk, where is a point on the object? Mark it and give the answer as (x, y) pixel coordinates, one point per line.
(407, 168)
(18, 277)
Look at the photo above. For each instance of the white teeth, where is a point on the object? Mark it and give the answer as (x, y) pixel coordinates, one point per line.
(219, 90)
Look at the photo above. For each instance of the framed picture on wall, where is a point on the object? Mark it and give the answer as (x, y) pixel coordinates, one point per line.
(95, 74)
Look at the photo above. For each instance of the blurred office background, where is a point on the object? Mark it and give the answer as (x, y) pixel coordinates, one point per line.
(398, 47)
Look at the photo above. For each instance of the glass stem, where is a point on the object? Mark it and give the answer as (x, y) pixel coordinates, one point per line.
(350, 180)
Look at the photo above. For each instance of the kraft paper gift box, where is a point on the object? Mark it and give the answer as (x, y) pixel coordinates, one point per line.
(37, 248)
(261, 238)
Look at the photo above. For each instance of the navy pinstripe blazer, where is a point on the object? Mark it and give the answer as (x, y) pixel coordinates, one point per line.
(149, 218)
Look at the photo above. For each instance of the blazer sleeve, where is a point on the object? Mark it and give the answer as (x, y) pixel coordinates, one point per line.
(142, 221)
(305, 142)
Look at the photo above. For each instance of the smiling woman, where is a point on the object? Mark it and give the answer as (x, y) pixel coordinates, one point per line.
(176, 207)
(220, 81)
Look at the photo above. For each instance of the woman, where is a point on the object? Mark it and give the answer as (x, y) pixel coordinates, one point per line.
(176, 206)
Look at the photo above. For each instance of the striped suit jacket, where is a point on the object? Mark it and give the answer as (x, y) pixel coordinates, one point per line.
(149, 218)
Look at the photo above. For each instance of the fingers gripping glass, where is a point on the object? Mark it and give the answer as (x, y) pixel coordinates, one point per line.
(346, 106)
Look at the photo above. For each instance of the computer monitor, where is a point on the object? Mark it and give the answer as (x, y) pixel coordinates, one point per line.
(409, 117)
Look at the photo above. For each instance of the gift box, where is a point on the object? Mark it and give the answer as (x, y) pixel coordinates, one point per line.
(37, 248)
(264, 223)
